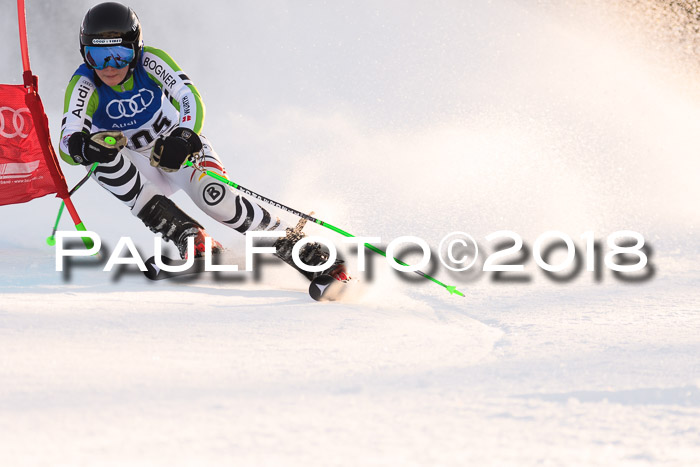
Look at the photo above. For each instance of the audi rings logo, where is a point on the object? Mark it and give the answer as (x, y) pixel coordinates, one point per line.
(127, 108)
(13, 123)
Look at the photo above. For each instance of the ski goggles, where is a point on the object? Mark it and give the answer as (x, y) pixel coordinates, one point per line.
(100, 58)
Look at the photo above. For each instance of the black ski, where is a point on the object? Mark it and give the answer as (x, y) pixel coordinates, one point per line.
(325, 288)
(154, 273)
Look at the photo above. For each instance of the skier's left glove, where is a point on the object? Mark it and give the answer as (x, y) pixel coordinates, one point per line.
(171, 151)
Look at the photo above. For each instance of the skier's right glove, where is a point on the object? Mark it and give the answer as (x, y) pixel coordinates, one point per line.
(99, 147)
(171, 151)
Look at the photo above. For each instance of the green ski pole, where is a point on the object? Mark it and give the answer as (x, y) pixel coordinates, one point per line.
(51, 240)
(450, 288)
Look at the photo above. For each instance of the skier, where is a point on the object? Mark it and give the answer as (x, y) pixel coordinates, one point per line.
(138, 97)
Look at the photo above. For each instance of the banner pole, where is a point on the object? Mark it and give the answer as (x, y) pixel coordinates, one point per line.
(41, 125)
(29, 79)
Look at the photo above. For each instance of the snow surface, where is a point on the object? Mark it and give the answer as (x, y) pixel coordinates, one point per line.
(387, 119)
(98, 372)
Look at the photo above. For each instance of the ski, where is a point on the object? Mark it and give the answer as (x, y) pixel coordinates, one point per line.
(325, 288)
(154, 273)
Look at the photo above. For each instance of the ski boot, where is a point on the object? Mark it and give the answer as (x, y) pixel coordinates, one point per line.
(161, 215)
(311, 254)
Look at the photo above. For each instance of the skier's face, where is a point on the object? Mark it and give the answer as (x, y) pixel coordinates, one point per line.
(112, 76)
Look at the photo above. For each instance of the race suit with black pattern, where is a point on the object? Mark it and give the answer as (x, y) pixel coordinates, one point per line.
(157, 98)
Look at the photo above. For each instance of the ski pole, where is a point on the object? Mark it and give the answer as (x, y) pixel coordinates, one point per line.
(51, 240)
(450, 288)
(104, 138)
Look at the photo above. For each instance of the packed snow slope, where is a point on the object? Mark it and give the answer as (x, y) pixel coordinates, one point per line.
(387, 119)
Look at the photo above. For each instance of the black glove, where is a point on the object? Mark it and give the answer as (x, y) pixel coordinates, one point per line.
(171, 151)
(99, 147)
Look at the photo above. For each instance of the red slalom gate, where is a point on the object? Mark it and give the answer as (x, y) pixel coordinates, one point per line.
(28, 164)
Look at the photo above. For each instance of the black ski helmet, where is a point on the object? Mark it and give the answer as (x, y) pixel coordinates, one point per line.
(109, 24)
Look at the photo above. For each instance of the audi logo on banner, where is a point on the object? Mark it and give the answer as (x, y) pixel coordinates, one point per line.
(13, 123)
(127, 108)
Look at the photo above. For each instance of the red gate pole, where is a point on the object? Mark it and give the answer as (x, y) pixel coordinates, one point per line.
(31, 84)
